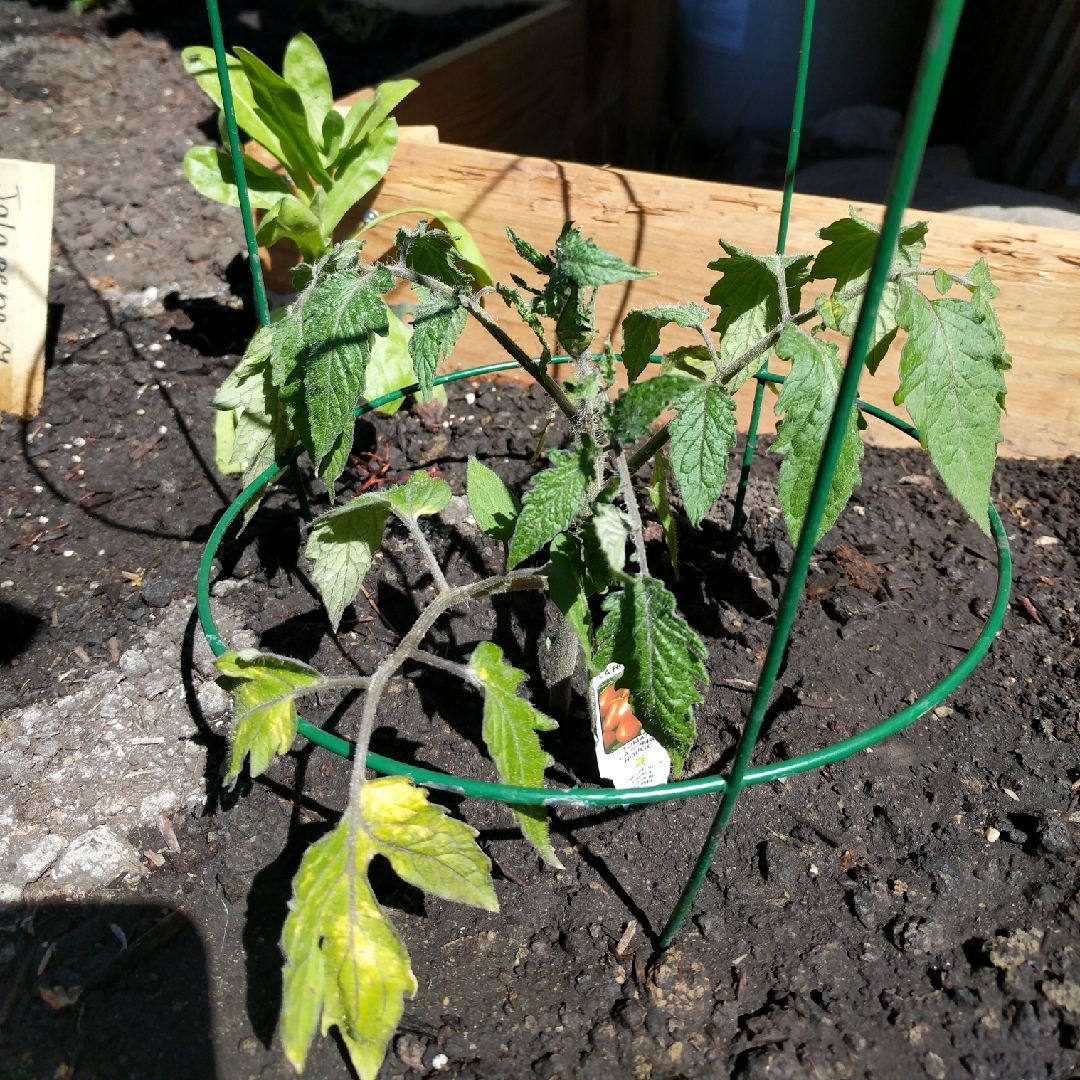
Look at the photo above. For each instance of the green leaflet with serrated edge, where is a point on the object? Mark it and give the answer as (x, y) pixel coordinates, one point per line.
(846, 259)
(641, 332)
(264, 712)
(951, 383)
(510, 733)
(749, 301)
(702, 434)
(636, 407)
(422, 494)
(493, 505)
(583, 261)
(555, 498)
(806, 403)
(341, 316)
(342, 545)
(437, 325)
(662, 658)
(568, 586)
(611, 530)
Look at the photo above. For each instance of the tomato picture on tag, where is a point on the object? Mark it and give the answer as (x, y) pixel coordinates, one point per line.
(625, 754)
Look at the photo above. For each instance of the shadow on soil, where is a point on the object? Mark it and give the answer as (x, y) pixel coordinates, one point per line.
(103, 991)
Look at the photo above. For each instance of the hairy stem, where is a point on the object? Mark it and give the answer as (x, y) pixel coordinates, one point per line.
(420, 540)
(514, 581)
(449, 666)
(627, 487)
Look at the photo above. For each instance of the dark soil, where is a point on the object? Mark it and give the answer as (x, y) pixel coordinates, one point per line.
(911, 911)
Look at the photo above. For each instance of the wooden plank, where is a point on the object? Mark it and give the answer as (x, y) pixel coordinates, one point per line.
(671, 225)
(26, 214)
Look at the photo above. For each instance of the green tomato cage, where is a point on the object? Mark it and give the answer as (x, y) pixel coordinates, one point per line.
(931, 73)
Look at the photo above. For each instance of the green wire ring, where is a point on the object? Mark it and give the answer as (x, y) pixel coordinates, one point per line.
(585, 797)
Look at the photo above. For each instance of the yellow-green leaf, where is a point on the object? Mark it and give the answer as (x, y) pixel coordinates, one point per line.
(425, 846)
(343, 958)
(423, 494)
(510, 732)
(264, 707)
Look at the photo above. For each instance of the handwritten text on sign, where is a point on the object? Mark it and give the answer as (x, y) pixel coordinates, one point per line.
(26, 209)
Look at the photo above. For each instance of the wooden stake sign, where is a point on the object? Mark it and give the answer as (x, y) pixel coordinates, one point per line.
(26, 210)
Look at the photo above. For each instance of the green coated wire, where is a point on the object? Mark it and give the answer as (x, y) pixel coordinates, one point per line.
(781, 243)
(238, 160)
(583, 797)
(935, 58)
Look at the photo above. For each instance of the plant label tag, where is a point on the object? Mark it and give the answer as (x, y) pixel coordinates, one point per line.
(26, 211)
(625, 755)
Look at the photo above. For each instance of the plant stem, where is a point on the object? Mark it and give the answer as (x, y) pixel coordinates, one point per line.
(462, 671)
(425, 548)
(514, 581)
(626, 484)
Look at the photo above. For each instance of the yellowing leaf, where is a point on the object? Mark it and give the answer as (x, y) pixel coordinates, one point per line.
(343, 958)
(510, 727)
(425, 846)
(264, 708)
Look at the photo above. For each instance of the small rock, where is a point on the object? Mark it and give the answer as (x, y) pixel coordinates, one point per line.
(934, 1066)
(138, 224)
(1056, 837)
(157, 593)
(1065, 995)
(198, 251)
(95, 858)
(213, 701)
(33, 855)
(134, 665)
(1014, 948)
(410, 1051)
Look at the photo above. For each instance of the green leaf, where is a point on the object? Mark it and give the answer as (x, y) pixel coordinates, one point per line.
(658, 493)
(527, 313)
(491, 502)
(333, 128)
(662, 658)
(305, 70)
(549, 506)
(431, 252)
(211, 174)
(847, 259)
(264, 712)
(437, 325)
(983, 291)
(567, 583)
(636, 407)
(259, 433)
(359, 171)
(422, 494)
(942, 281)
(585, 263)
(612, 530)
(390, 367)
(606, 363)
(702, 433)
(368, 113)
(749, 299)
(641, 332)
(806, 401)
(510, 727)
(199, 62)
(343, 958)
(951, 382)
(543, 263)
(290, 218)
(283, 109)
(340, 319)
(425, 846)
(342, 545)
(692, 360)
